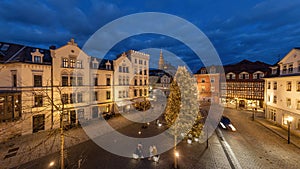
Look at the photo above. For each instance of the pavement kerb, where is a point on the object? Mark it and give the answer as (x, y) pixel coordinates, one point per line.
(276, 132)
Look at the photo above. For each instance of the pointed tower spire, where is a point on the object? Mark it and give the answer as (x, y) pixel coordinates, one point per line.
(161, 62)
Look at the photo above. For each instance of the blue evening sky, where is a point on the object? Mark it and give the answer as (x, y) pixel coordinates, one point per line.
(262, 30)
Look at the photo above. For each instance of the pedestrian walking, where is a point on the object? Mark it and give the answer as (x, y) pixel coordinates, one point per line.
(150, 152)
(155, 153)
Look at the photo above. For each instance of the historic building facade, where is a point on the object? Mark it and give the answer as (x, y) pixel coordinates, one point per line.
(282, 91)
(42, 86)
(208, 82)
(244, 86)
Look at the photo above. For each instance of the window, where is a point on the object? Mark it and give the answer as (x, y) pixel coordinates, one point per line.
(202, 80)
(124, 69)
(275, 99)
(141, 92)
(127, 70)
(107, 95)
(120, 68)
(145, 82)
(37, 81)
(107, 81)
(145, 92)
(141, 82)
(4, 47)
(230, 76)
(135, 92)
(290, 70)
(145, 72)
(79, 81)
(140, 62)
(298, 86)
(79, 64)
(298, 104)
(141, 72)
(95, 65)
(135, 82)
(72, 98)
(72, 63)
(269, 98)
(288, 86)
(65, 63)
(284, 69)
(212, 80)
(65, 98)
(79, 97)
(96, 81)
(202, 88)
(274, 71)
(120, 94)
(127, 80)
(269, 85)
(212, 89)
(38, 101)
(243, 76)
(95, 96)
(288, 103)
(37, 59)
(14, 80)
(72, 81)
(64, 80)
(135, 60)
(275, 86)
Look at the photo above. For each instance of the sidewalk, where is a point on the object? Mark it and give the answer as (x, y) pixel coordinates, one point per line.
(30, 147)
(295, 140)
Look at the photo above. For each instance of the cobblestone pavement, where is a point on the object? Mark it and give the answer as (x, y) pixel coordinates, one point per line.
(255, 146)
(36, 150)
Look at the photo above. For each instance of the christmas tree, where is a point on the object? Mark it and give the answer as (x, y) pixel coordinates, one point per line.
(182, 112)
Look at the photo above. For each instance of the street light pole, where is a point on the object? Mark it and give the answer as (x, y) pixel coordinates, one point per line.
(289, 131)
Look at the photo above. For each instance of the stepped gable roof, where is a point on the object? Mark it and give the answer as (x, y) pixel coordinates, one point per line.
(247, 66)
(10, 52)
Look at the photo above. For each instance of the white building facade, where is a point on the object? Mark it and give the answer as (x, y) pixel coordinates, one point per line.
(282, 91)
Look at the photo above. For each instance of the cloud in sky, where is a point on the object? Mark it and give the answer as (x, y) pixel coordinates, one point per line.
(249, 29)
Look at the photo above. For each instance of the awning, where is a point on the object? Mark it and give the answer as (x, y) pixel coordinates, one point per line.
(123, 103)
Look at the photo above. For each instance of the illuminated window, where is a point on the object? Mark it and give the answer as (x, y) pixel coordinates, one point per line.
(65, 62)
(72, 63)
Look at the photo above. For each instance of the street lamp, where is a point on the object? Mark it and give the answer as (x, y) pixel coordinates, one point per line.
(289, 121)
(253, 111)
(176, 154)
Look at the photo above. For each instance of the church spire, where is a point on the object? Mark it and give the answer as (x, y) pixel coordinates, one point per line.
(161, 62)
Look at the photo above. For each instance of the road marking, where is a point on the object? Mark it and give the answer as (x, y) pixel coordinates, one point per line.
(233, 161)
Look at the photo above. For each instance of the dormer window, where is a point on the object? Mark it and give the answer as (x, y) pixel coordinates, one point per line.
(258, 75)
(37, 56)
(4, 47)
(274, 71)
(290, 70)
(244, 75)
(212, 70)
(230, 76)
(37, 59)
(284, 69)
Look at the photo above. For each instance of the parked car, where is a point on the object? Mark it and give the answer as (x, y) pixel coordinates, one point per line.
(226, 124)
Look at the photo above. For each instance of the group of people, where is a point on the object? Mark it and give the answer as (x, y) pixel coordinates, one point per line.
(152, 152)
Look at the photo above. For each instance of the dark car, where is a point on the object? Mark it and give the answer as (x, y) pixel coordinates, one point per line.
(225, 123)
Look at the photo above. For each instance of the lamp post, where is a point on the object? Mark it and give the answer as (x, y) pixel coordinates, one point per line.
(236, 102)
(289, 121)
(253, 111)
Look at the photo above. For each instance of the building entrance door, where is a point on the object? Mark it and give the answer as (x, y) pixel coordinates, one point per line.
(38, 123)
